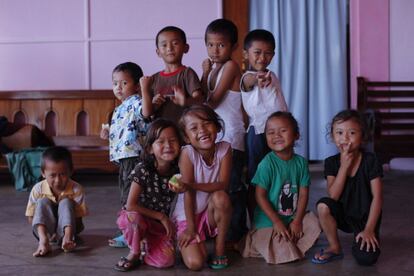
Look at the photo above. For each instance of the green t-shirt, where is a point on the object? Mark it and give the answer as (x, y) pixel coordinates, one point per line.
(281, 179)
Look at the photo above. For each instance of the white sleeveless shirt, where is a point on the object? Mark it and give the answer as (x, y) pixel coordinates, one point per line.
(230, 110)
(260, 103)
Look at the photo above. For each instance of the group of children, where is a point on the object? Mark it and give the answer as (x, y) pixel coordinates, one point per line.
(171, 123)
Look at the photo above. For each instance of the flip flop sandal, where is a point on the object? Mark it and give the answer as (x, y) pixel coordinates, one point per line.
(328, 257)
(127, 265)
(118, 242)
(219, 262)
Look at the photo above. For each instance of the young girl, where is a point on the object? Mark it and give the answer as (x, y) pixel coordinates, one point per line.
(221, 81)
(205, 206)
(282, 232)
(355, 193)
(146, 214)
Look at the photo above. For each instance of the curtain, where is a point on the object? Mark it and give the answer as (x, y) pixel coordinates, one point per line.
(310, 61)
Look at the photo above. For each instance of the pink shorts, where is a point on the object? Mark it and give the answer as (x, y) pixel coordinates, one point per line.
(202, 227)
(136, 227)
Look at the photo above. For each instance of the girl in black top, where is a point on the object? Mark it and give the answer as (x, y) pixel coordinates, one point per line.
(355, 193)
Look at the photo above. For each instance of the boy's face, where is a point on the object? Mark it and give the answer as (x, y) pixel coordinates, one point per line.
(219, 47)
(123, 85)
(57, 175)
(171, 47)
(259, 55)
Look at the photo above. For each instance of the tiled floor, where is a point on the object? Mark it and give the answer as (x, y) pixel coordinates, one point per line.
(94, 257)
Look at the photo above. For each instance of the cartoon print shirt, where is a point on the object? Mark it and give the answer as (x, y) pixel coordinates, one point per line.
(282, 181)
(127, 128)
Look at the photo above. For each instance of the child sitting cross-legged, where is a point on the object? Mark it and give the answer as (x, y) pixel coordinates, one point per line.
(56, 204)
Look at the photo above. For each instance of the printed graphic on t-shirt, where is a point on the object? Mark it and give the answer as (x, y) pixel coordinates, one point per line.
(288, 199)
(166, 92)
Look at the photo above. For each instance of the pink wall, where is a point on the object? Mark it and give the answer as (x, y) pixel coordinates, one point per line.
(369, 31)
(49, 44)
(402, 40)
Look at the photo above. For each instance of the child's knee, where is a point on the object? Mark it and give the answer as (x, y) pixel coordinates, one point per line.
(44, 202)
(365, 258)
(221, 200)
(194, 263)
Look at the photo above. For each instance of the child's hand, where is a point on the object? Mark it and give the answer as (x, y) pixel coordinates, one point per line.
(264, 79)
(104, 132)
(158, 100)
(206, 66)
(186, 237)
(145, 83)
(179, 95)
(296, 230)
(180, 188)
(168, 226)
(346, 157)
(368, 239)
(280, 231)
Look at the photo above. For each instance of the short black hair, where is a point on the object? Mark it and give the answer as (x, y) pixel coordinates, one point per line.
(224, 27)
(131, 68)
(286, 115)
(57, 154)
(259, 35)
(175, 29)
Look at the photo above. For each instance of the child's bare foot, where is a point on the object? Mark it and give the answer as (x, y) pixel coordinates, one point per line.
(42, 249)
(68, 245)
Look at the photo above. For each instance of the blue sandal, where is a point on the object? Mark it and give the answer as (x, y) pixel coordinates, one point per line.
(328, 257)
(219, 262)
(118, 242)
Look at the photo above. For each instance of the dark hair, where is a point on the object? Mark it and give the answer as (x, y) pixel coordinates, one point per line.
(153, 133)
(57, 154)
(354, 115)
(259, 35)
(174, 29)
(131, 68)
(224, 27)
(288, 116)
(202, 112)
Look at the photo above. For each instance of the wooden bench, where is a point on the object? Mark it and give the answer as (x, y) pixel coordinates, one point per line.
(70, 118)
(393, 106)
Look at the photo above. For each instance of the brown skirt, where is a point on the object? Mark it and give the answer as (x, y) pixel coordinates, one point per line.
(259, 243)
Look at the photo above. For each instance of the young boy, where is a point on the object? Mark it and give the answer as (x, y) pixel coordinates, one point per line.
(261, 96)
(221, 82)
(177, 86)
(127, 129)
(56, 204)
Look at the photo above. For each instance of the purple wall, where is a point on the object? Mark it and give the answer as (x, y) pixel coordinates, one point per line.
(49, 44)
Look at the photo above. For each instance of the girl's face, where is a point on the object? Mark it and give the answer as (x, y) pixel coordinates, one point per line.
(167, 147)
(280, 135)
(219, 47)
(200, 133)
(123, 85)
(347, 135)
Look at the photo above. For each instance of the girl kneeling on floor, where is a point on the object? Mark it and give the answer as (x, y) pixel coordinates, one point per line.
(146, 213)
(282, 229)
(205, 206)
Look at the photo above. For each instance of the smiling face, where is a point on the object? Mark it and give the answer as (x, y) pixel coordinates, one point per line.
(280, 136)
(57, 175)
(219, 47)
(166, 147)
(171, 47)
(123, 85)
(259, 55)
(200, 133)
(347, 134)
